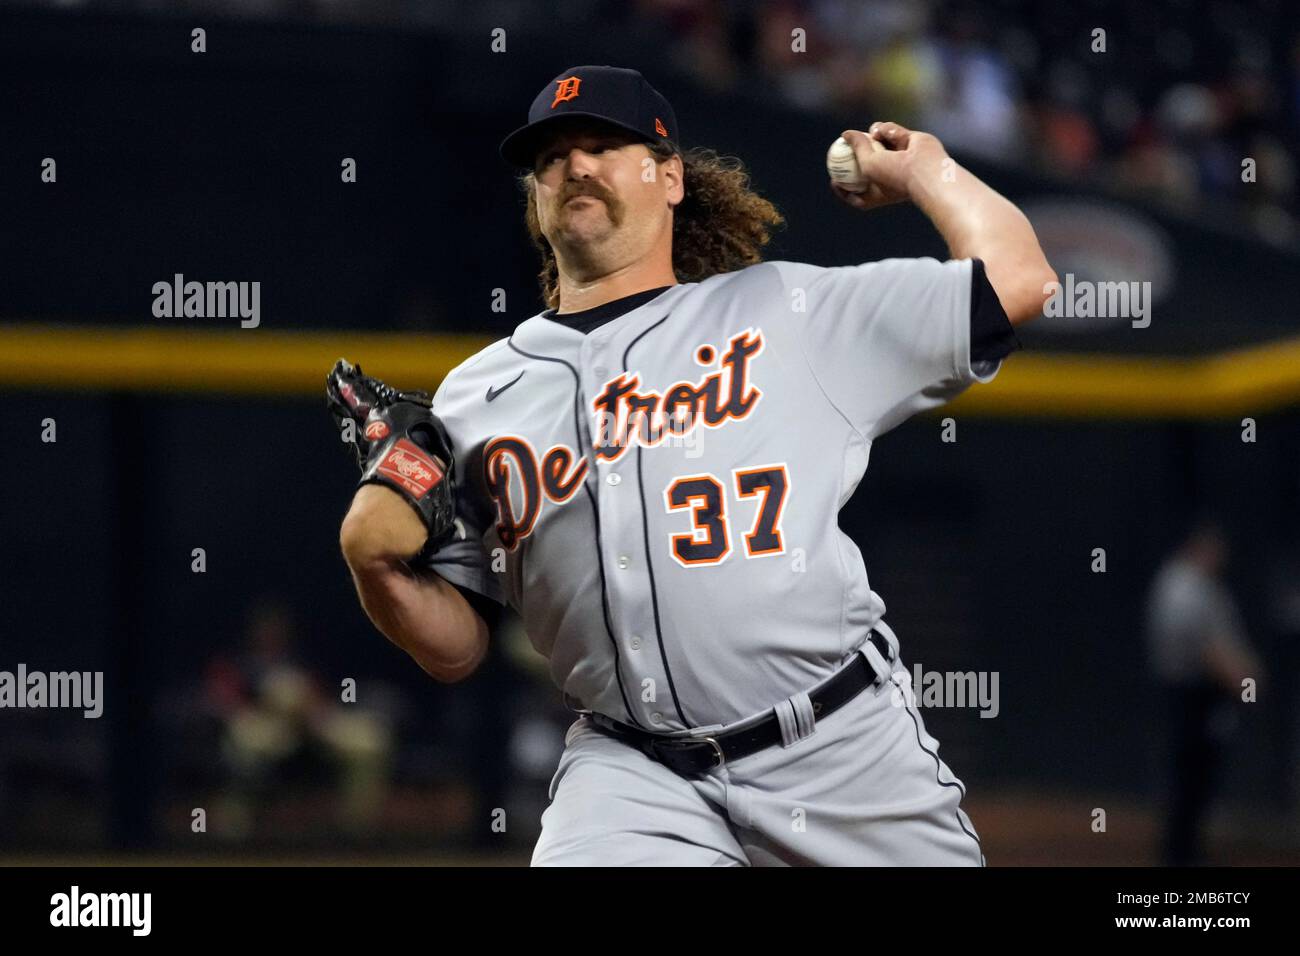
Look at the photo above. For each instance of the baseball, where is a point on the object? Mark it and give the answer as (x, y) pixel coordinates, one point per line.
(842, 165)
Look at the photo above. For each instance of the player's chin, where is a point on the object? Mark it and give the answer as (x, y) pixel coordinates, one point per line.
(585, 228)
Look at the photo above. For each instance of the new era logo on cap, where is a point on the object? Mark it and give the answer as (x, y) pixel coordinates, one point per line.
(614, 94)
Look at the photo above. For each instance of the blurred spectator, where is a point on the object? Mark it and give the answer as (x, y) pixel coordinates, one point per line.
(796, 77)
(279, 724)
(1200, 657)
(902, 81)
(977, 109)
(704, 33)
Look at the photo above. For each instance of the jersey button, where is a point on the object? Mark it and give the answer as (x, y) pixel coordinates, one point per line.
(624, 561)
(635, 643)
(613, 479)
(656, 718)
(600, 371)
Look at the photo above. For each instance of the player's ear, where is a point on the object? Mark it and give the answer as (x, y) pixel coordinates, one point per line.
(673, 172)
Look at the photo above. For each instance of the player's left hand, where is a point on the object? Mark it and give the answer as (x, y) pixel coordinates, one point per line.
(898, 161)
(399, 443)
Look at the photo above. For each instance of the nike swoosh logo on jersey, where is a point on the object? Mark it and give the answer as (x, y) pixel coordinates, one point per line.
(494, 392)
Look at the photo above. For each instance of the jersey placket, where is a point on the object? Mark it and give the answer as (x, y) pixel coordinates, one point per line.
(622, 546)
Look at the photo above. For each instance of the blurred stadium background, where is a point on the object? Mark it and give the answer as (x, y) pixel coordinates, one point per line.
(223, 686)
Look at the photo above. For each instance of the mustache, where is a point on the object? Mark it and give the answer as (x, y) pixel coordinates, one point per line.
(596, 192)
(614, 209)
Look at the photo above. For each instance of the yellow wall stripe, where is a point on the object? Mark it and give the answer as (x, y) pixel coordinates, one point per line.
(1249, 381)
(230, 362)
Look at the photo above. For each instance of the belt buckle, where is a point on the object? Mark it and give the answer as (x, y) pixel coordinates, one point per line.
(669, 748)
(717, 751)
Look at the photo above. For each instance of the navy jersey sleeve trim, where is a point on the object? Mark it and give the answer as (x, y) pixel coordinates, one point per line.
(992, 336)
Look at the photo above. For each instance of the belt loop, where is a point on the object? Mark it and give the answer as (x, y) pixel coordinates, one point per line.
(878, 663)
(795, 718)
(575, 707)
(880, 627)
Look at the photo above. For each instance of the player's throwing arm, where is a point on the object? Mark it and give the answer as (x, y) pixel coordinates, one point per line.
(895, 164)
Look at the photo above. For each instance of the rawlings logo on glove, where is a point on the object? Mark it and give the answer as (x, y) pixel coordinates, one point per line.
(416, 471)
(399, 443)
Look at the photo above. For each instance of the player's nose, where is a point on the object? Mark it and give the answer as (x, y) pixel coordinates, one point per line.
(577, 174)
(578, 161)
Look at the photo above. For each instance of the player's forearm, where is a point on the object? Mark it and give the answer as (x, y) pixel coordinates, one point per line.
(978, 223)
(424, 615)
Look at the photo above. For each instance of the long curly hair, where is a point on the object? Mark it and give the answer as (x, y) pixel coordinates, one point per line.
(720, 225)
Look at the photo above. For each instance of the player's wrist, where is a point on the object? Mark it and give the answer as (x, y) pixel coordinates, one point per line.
(929, 184)
(381, 529)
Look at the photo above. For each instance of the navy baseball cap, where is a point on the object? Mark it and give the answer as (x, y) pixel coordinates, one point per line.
(611, 93)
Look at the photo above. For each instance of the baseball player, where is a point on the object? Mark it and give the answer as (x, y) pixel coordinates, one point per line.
(649, 472)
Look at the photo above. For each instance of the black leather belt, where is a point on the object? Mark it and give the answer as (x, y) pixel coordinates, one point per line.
(692, 756)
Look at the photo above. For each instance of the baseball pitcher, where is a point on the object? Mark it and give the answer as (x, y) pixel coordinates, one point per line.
(650, 471)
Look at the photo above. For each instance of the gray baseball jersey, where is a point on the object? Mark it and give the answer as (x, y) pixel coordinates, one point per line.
(657, 498)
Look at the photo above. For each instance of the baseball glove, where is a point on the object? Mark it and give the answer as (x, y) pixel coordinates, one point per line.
(399, 443)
